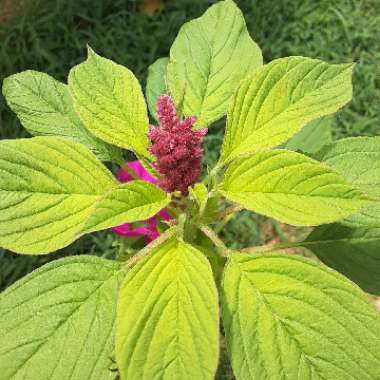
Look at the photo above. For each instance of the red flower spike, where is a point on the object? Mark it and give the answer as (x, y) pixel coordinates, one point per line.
(178, 149)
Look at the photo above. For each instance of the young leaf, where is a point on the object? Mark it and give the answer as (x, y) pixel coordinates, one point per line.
(313, 137)
(156, 83)
(289, 318)
(57, 323)
(130, 202)
(48, 187)
(351, 251)
(167, 317)
(200, 194)
(44, 107)
(208, 59)
(358, 159)
(290, 187)
(276, 101)
(109, 100)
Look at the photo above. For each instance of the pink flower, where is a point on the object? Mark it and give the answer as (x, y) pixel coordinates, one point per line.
(148, 228)
(177, 147)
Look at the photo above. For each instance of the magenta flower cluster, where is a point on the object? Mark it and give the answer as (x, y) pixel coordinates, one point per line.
(177, 148)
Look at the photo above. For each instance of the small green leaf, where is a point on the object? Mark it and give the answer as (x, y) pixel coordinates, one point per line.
(156, 83)
(313, 137)
(44, 107)
(200, 194)
(352, 251)
(276, 101)
(48, 188)
(130, 202)
(109, 100)
(288, 318)
(167, 317)
(58, 322)
(208, 59)
(358, 160)
(290, 187)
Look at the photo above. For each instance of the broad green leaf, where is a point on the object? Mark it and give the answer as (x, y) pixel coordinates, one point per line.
(167, 317)
(355, 252)
(44, 107)
(276, 101)
(109, 101)
(58, 322)
(313, 137)
(358, 160)
(290, 187)
(130, 202)
(208, 59)
(48, 187)
(156, 83)
(288, 318)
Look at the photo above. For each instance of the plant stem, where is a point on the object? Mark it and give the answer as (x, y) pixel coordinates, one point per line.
(222, 249)
(125, 167)
(148, 249)
(219, 227)
(229, 210)
(268, 248)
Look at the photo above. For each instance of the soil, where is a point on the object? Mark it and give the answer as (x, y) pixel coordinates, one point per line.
(9, 8)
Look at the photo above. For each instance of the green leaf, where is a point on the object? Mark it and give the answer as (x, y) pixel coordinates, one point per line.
(290, 187)
(208, 59)
(109, 100)
(58, 322)
(48, 188)
(355, 252)
(44, 107)
(167, 317)
(130, 202)
(200, 194)
(313, 137)
(289, 318)
(156, 83)
(280, 98)
(358, 160)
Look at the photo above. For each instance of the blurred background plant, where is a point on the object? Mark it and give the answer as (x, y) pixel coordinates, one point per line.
(51, 36)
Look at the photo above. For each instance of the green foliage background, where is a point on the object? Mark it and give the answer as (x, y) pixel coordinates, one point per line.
(51, 36)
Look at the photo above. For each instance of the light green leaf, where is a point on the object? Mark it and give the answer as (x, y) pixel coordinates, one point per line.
(48, 187)
(57, 323)
(290, 187)
(200, 194)
(109, 100)
(355, 252)
(289, 318)
(313, 137)
(208, 59)
(156, 83)
(167, 317)
(358, 160)
(130, 202)
(280, 98)
(44, 107)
